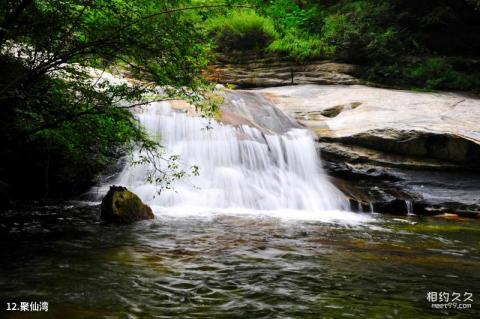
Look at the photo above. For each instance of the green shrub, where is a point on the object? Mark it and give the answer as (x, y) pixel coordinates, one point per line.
(429, 74)
(357, 31)
(437, 73)
(288, 15)
(241, 30)
(298, 28)
(362, 31)
(302, 47)
(340, 33)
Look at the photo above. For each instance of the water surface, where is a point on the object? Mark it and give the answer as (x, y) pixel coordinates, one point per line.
(235, 266)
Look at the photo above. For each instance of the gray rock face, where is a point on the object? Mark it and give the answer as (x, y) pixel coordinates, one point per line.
(427, 127)
(251, 71)
(250, 108)
(391, 147)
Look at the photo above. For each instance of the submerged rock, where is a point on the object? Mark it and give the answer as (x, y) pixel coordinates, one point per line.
(122, 206)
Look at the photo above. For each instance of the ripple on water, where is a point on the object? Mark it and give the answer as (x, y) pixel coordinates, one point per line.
(234, 265)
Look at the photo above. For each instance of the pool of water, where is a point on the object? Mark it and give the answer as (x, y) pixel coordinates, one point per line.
(235, 266)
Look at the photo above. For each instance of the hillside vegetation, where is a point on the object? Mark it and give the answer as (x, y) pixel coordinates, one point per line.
(433, 45)
(61, 126)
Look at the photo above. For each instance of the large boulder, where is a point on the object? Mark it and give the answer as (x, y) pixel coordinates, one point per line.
(431, 128)
(122, 206)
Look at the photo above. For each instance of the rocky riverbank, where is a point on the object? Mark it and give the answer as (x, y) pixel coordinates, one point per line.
(252, 71)
(392, 147)
(394, 151)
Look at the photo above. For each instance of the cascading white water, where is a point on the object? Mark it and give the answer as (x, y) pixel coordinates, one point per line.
(409, 205)
(372, 208)
(241, 169)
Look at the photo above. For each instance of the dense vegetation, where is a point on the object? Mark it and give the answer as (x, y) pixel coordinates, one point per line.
(421, 44)
(62, 122)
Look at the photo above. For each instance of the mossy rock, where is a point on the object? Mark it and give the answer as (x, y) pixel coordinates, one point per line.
(122, 206)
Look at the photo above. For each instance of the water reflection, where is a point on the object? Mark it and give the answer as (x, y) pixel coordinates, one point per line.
(234, 266)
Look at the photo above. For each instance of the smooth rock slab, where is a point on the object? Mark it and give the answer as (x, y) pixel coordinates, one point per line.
(438, 126)
(386, 148)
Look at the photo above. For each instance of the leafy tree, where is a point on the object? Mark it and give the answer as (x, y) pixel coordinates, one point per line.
(61, 126)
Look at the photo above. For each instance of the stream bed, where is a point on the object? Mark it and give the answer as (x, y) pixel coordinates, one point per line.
(235, 265)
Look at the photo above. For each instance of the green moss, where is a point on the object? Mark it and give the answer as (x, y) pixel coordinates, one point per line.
(126, 202)
(123, 206)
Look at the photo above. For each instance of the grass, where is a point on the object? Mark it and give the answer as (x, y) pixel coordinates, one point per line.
(241, 30)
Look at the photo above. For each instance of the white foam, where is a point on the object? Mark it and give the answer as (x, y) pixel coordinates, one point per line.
(242, 171)
(330, 216)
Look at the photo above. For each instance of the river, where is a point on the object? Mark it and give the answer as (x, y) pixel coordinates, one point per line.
(261, 232)
(235, 266)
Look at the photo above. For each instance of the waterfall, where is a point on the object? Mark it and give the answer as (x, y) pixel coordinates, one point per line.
(372, 208)
(241, 167)
(409, 205)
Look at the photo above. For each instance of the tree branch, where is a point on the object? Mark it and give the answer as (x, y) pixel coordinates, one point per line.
(93, 111)
(153, 15)
(11, 18)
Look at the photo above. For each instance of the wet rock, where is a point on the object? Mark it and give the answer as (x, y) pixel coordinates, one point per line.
(394, 207)
(245, 107)
(122, 206)
(364, 158)
(387, 188)
(454, 217)
(388, 151)
(390, 190)
(451, 207)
